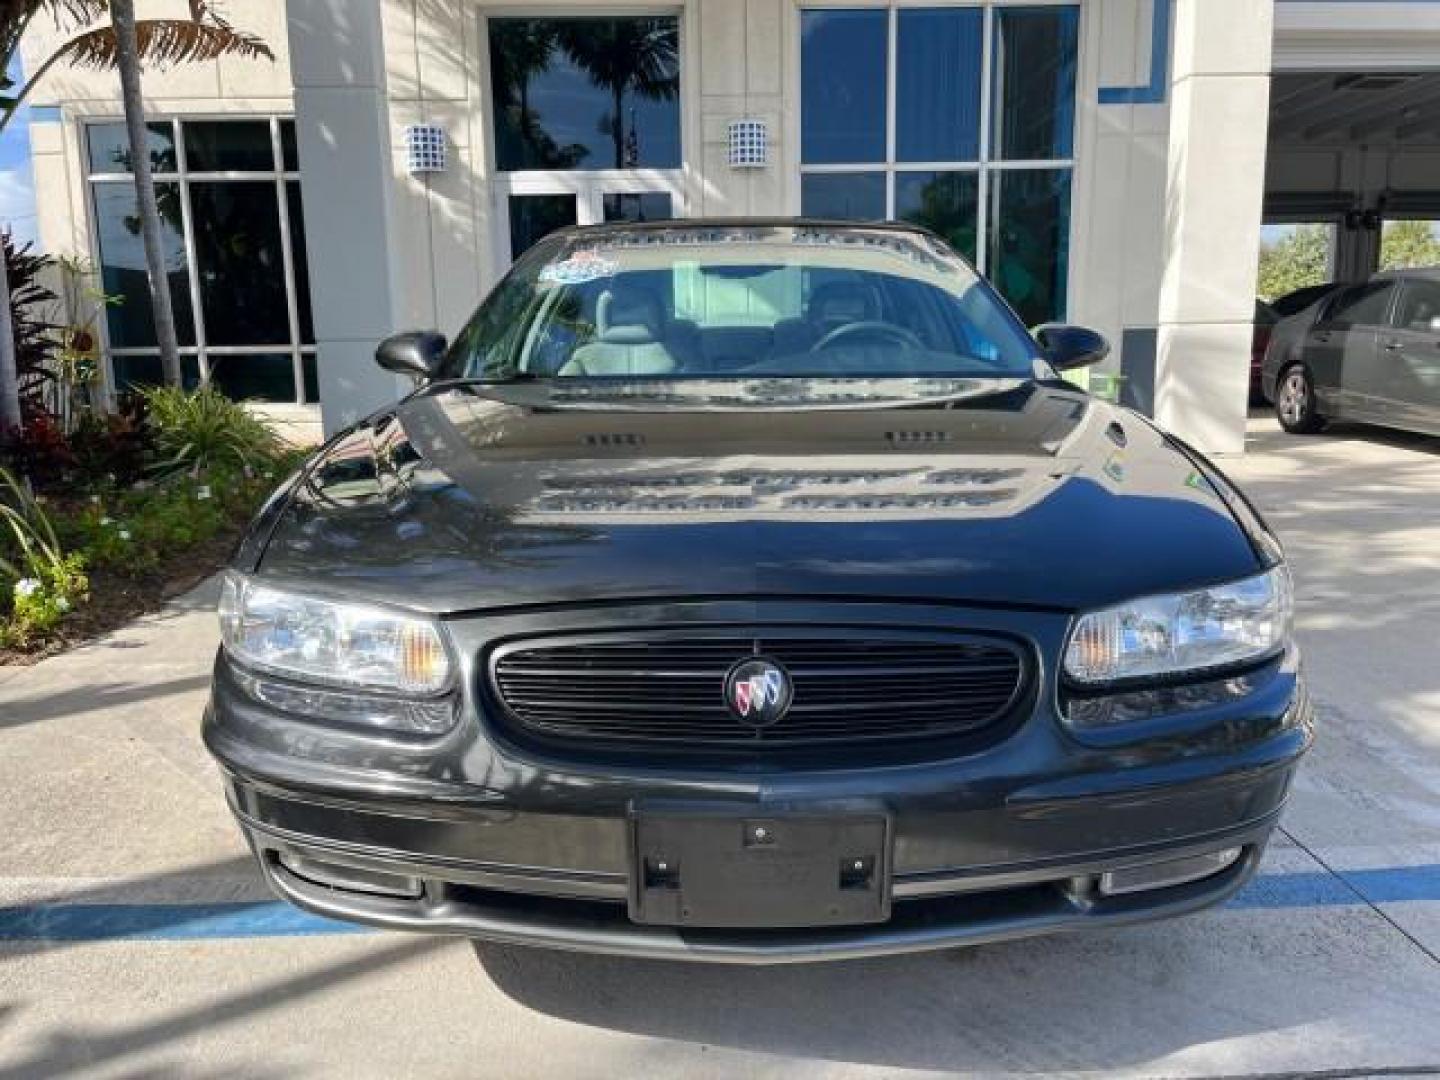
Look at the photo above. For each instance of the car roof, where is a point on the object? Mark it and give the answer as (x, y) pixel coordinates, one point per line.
(1429, 273)
(745, 223)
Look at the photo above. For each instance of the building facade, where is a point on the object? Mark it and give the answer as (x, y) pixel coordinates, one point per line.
(1103, 161)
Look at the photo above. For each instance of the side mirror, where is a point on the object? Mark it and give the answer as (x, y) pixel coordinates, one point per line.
(1069, 347)
(418, 353)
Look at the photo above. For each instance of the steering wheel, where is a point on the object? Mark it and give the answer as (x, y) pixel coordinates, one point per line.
(874, 328)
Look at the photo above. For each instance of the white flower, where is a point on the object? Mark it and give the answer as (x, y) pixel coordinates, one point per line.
(124, 534)
(95, 499)
(26, 587)
(62, 605)
(106, 521)
(202, 492)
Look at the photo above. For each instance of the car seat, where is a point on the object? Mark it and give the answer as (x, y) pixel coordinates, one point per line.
(629, 323)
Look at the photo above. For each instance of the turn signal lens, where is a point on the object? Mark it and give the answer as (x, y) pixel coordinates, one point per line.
(1183, 632)
(336, 644)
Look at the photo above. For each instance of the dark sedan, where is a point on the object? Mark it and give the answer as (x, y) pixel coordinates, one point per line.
(1368, 352)
(755, 591)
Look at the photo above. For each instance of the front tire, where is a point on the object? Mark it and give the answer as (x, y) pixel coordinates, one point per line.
(1295, 401)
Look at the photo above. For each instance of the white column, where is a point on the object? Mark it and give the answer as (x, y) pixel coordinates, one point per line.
(1220, 93)
(337, 60)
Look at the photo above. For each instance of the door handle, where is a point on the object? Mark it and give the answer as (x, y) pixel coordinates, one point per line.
(1394, 346)
(1322, 336)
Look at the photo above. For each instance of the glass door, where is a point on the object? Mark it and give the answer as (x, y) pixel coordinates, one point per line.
(536, 206)
(584, 115)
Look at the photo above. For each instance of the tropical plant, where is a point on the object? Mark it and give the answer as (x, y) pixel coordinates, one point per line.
(200, 429)
(123, 44)
(31, 303)
(44, 582)
(625, 56)
(75, 360)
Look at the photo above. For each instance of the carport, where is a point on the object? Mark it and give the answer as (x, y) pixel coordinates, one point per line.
(1354, 137)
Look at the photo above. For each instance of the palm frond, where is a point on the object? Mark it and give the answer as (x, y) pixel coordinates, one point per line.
(164, 41)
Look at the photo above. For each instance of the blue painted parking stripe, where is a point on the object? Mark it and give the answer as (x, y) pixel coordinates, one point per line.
(274, 918)
(164, 922)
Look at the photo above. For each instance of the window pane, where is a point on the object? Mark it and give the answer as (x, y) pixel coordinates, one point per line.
(937, 84)
(842, 86)
(1030, 240)
(586, 93)
(533, 217)
(122, 264)
(947, 203)
(228, 146)
(1363, 305)
(289, 153)
(1034, 84)
(242, 270)
(1419, 305)
(310, 368)
(1406, 244)
(134, 372)
(650, 206)
(110, 147)
(1294, 256)
(844, 196)
(270, 377)
(302, 262)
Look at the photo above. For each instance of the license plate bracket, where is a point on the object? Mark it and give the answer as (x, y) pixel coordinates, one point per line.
(766, 869)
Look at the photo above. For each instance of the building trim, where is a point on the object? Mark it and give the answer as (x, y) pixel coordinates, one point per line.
(1154, 91)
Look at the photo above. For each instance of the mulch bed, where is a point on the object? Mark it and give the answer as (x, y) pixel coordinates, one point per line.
(116, 598)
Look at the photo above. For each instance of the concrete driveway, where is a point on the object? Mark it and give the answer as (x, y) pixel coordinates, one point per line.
(136, 941)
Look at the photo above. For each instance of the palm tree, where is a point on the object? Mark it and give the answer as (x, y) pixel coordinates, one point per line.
(638, 56)
(123, 45)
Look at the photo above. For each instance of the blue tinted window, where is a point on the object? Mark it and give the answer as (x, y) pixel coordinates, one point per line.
(1030, 240)
(843, 196)
(937, 84)
(586, 93)
(1033, 102)
(842, 94)
(946, 203)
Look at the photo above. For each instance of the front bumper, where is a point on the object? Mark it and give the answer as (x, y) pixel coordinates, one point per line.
(467, 834)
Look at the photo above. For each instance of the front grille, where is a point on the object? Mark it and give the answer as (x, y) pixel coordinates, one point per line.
(860, 686)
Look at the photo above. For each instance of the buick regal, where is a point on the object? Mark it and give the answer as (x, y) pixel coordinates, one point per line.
(755, 591)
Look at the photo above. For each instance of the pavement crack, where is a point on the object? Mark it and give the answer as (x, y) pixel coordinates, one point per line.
(1338, 876)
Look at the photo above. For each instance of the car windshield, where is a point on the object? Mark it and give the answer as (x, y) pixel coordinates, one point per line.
(803, 301)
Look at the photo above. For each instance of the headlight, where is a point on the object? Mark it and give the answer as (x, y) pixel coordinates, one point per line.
(336, 644)
(1183, 632)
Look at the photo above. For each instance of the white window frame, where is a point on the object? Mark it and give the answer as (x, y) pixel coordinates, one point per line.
(183, 176)
(589, 186)
(985, 165)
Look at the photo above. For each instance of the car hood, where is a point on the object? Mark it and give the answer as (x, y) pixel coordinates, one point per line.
(1015, 493)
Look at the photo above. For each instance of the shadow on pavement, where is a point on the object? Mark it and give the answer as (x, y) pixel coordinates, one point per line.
(1096, 1001)
(76, 1047)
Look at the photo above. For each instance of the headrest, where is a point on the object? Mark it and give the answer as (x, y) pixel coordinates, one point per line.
(629, 315)
(843, 302)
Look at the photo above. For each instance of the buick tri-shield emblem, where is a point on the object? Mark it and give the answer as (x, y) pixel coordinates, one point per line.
(758, 691)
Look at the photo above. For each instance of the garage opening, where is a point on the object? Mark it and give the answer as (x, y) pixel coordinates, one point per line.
(1353, 177)
(1352, 186)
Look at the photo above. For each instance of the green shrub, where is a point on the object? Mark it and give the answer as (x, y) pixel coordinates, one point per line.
(41, 582)
(201, 429)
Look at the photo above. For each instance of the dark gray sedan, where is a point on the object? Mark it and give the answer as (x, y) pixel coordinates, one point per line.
(1367, 352)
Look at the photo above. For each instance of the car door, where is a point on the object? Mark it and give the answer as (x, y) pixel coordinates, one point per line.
(1409, 358)
(1340, 349)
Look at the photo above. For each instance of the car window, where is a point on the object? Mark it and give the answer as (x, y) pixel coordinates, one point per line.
(1362, 305)
(803, 301)
(1419, 305)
